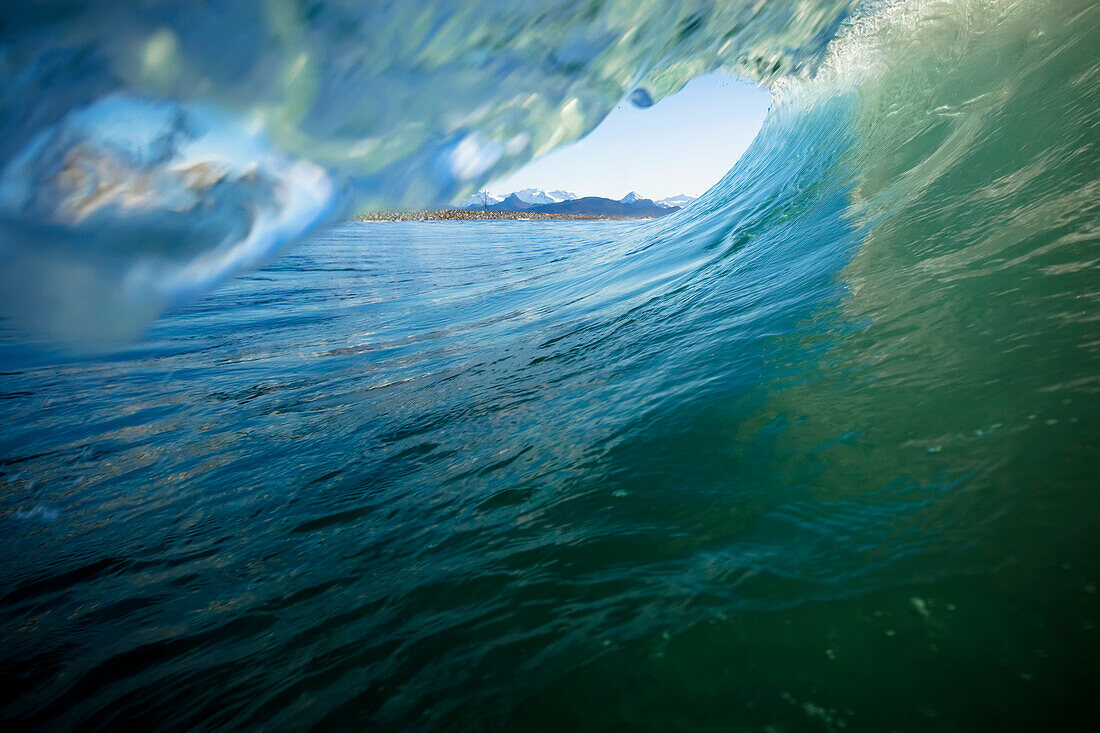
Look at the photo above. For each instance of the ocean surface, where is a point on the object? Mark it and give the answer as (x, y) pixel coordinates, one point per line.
(551, 474)
(817, 452)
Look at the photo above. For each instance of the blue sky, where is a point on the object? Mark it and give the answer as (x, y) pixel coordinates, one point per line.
(682, 144)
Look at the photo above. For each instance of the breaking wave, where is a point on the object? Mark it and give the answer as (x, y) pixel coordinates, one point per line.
(849, 391)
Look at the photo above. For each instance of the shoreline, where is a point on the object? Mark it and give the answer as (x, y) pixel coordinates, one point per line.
(474, 215)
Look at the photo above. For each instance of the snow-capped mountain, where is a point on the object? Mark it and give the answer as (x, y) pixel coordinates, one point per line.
(672, 201)
(481, 198)
(533, 196)
(538, 196)
(681, 200)
(560, 195)
(518, 200)
(527, 195)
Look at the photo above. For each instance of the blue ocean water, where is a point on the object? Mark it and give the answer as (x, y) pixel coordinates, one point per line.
(817, 452)
(441, 473)
(393, 415)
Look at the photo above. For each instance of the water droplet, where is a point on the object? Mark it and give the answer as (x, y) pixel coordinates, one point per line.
(641, 98)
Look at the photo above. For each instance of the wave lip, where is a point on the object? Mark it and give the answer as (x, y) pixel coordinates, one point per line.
(104, 227)
(108, 216)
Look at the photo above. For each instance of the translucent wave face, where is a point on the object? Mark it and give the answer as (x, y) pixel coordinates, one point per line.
(126, 206)
(150, 149)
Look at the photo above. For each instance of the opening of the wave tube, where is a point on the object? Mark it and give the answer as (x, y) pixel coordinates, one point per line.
(670, 152)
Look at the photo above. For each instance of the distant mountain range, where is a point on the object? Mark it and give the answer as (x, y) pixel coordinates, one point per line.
(527, 195)
(565, 202)
(681, 200)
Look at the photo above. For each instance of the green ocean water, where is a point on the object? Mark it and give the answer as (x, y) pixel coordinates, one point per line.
(818, 452)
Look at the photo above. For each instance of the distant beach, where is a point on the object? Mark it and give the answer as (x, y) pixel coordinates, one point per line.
(475, 215)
